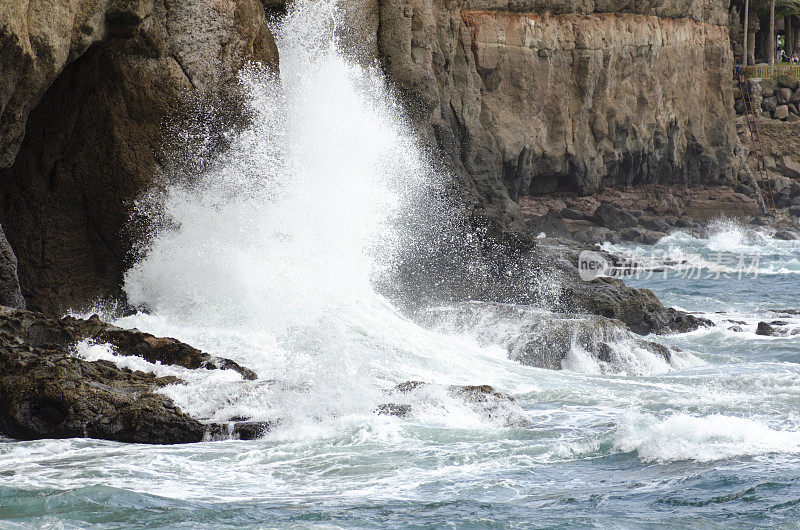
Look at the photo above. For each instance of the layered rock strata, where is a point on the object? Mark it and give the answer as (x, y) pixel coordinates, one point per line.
(534, 97)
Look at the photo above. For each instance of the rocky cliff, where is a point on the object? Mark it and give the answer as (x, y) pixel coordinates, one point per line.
(87, 88)
(520, 97)
(531, 97)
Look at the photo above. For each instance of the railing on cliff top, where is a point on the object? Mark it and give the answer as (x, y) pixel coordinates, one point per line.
(769, 72)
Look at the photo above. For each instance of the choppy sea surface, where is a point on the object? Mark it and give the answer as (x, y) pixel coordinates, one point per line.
(712, 440)
(268, 258)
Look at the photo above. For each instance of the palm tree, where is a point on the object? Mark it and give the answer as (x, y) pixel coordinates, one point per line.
(744, 31)
(772, 32)
(787, 10)
(752, 10)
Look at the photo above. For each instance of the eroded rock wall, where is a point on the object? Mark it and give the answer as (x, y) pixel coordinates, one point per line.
(538, 96)
(99, 93)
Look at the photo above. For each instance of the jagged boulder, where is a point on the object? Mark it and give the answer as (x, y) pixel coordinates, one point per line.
(609, 216)
(765, 329)
(47, 391)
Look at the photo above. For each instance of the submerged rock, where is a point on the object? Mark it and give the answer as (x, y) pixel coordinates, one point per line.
(485, 400)
(549, 340)
(240, 430)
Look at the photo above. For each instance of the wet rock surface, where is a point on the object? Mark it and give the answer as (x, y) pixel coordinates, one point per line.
(544, 339)
(484, 400)
(639, 309)
(775, 328)
(47, 391)
(40, 331)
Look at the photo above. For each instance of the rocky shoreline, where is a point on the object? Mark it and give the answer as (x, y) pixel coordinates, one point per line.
(649, 103)
(47, 390)
(645, 214)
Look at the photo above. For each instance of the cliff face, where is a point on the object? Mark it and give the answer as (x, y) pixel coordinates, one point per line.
(91, 85)
(520, 96)
(534, 97)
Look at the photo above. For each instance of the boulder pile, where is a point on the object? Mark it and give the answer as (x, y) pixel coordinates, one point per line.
(779, 100)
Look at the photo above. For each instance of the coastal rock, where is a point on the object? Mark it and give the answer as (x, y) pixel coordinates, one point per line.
(97, 89)
(487, 402)
(632, 234)
(655, 224)
(10, 294)
(790, 167)
(551, 224)
(781, 112)
(547, 344)
(53, 394)
(765, 329)
(569, 213)
(530, 98)
(240, 430)
(47, 391)
(609, 216)
(39, 331)
(786, 235)
(36, 45)
(639, 309)
(769, 104)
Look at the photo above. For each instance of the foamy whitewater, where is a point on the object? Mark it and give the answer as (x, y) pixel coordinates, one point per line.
(270, 257)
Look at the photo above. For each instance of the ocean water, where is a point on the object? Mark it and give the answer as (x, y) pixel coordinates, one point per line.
(269, 257)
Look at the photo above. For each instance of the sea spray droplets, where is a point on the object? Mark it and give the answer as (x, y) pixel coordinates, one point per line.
(270, 255)
(294, 218)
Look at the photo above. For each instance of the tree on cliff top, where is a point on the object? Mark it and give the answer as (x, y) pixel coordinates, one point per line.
(752, 10)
